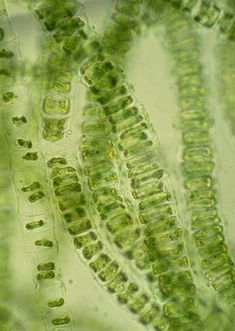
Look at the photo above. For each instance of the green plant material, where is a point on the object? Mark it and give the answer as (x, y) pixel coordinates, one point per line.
(105, 179)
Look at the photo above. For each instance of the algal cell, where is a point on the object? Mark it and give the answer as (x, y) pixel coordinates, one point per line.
(56, 104)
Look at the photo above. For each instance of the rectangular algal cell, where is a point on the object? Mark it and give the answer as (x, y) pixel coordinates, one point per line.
(56, 302)
(34, 223)
(119, 222)
(25, 143)
(211, 16)
(44, 263)
(45, 275)
(149, 190)
(29, 180)
(225, 21)
(28, 205)
(31, 162)
(61, 171)
(56, 104)
(60, 321)
(53, 128)
(39, 239)
(43, 260)
(54, 297)
(31, 187)
(20, 136)
(40, 262)
(95, 127)
(44, 242)
(62, 181)
(10, 54)
(105, 97)
(19, 120)
(16, 97)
